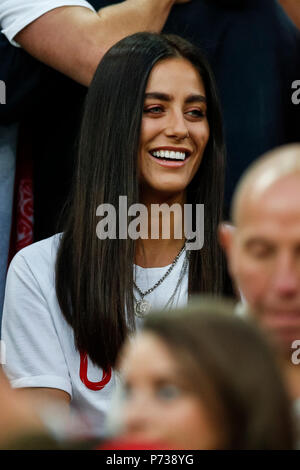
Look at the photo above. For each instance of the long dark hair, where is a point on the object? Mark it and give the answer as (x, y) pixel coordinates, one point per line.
(94, 278)
(228, 363)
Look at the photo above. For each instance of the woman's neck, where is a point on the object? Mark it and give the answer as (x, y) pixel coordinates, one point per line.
(292, 377)
(164, 231)
(157, 253)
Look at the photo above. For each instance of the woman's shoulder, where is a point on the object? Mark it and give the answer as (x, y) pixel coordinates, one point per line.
(47, 247)
(39, 256)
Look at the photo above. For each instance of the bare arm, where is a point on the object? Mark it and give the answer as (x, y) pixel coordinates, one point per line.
(45, 395)
(74, 39)
(17, 415)
(292, 8)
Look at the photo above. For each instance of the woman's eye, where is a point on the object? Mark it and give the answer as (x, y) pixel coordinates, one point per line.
(153, 110)
(198, 113)
(168, 392)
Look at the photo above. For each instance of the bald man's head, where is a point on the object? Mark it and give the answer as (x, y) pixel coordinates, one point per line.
(263, 248)
(261, 175)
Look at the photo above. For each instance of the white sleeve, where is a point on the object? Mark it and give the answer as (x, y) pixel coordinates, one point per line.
(16, 14)
(34, 356)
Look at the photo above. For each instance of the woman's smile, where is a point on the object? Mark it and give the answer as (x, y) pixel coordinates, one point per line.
(172, 157)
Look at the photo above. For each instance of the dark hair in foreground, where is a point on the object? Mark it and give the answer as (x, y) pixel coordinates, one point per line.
(94, 278)
(228, 363)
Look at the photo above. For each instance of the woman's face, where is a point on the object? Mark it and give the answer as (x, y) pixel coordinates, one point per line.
(158, 405)
(174, 130)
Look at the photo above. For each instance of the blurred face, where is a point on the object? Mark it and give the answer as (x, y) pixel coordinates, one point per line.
(264, 257)
(158, 406)
(175, 129)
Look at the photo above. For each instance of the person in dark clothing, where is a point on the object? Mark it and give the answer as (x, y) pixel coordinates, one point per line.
(254, 51)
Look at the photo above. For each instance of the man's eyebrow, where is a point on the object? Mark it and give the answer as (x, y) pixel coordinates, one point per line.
(257, 241)
(165, 97)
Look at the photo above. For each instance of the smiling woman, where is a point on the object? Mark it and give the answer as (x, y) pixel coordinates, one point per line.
(151, 94)
(152, 133)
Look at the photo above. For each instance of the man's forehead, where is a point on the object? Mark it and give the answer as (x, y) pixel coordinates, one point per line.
(278, 229)
(277, 204)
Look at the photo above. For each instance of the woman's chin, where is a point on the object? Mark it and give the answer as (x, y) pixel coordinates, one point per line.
(168, 190)
(145, 441)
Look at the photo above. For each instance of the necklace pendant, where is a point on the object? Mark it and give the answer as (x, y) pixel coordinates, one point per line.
(141, 308)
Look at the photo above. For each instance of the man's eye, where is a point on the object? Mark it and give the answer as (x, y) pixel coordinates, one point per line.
(168, 392)
(260, 252)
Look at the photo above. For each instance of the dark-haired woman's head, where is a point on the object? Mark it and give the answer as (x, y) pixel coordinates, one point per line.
(151, 95)
(141, 80)
(203, 378)
(174, 131)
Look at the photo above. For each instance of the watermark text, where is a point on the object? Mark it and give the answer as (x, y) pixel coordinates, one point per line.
(296, 354)
(157, 221)
(2, 92)
(296, 94)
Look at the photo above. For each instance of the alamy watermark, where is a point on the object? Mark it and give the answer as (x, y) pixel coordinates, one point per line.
(296, 94)
(2, 353)
(153, 223)
(296, 354)
(2, 92)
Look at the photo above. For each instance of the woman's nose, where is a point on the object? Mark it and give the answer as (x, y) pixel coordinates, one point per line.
(136, 416)
(176, 126)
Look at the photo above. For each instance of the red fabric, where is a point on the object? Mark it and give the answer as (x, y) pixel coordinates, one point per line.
(106, 376)
(22, 217)
(129, 445)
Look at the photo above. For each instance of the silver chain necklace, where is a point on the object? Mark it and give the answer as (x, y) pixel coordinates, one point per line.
(142, 306)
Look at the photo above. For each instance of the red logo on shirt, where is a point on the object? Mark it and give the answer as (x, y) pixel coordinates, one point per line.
(83, 375)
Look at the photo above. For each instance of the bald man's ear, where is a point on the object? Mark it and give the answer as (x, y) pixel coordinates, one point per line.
(225, 233)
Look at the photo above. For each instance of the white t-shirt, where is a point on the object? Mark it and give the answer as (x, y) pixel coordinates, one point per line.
(40, 350)
(16, 14)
